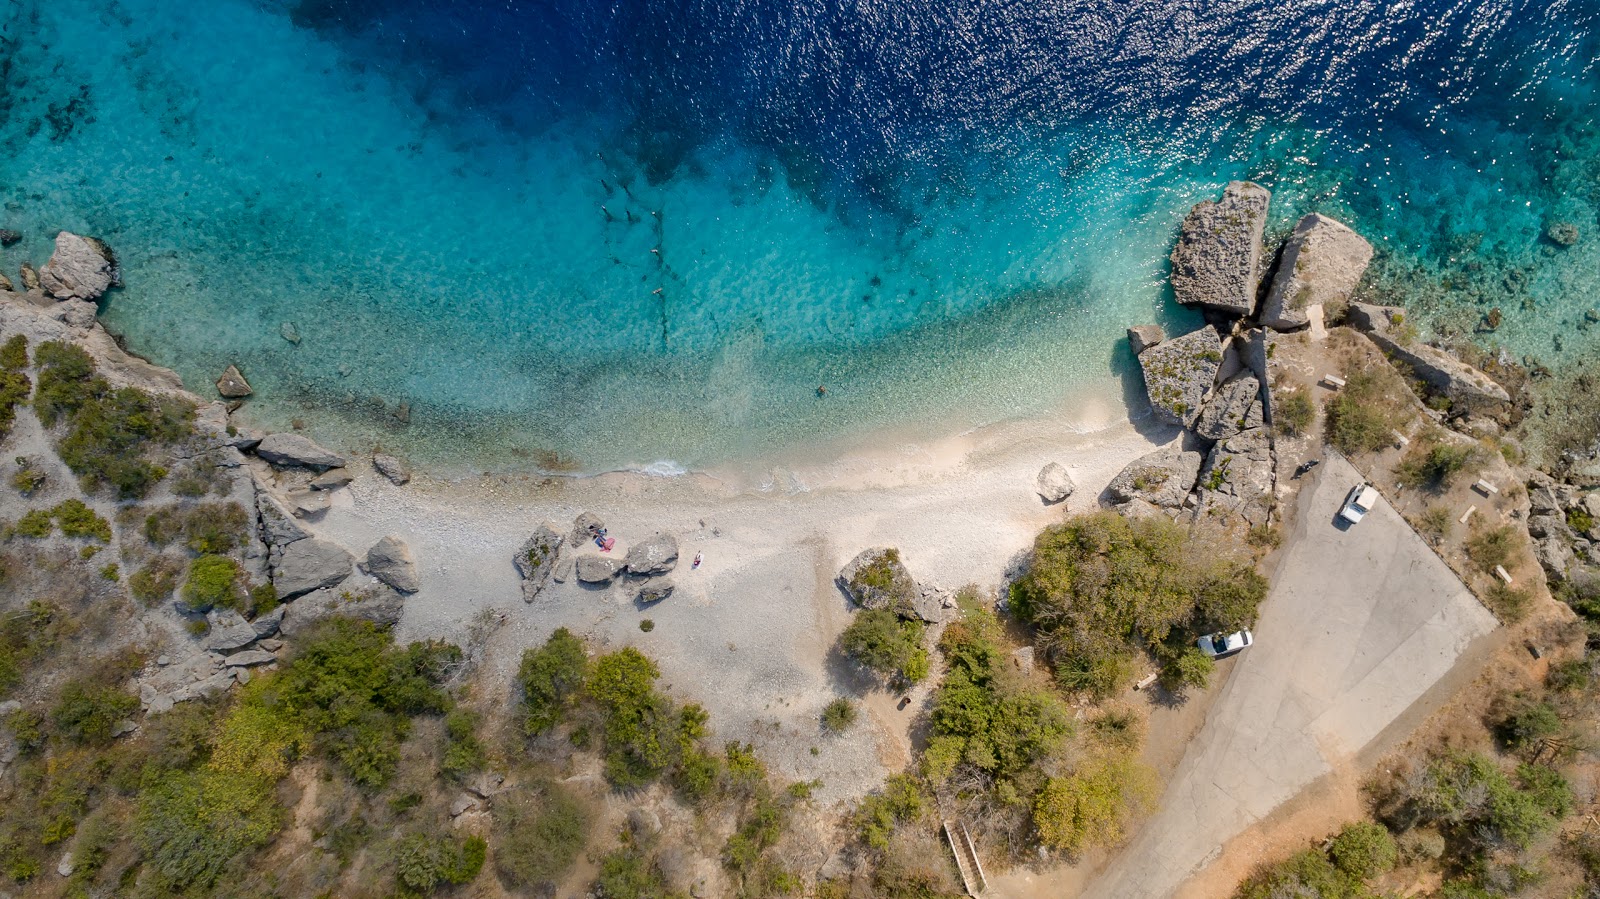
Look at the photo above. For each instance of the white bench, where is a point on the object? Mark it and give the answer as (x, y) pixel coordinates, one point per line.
(1504, 575)
(1485, 488)
(1333, 381)
(1467, 514)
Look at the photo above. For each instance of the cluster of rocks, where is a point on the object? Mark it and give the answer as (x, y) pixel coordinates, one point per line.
(1564, 522)
(548, 555)
(1471, 392)
(877, 579)
(80, 269)
(228, 658)
(1215, 381)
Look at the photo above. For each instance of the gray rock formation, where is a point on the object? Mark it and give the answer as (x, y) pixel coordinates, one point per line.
(594, 569)
(250, 658)
(294, 450)
(655, 590)
(536, 560)
(398, 473)
(1162, 479)
(1562, 234)
(877, 579)
(584, 528)
(1143, 337)
(5, 283)
(308, 503)
(232, 384)
(1237, 479)
(310, 564)
(1180, 373)
(278, 527)
(656, 554)
(1322, 263)
(1469, 390)
(390, 561)
(1235, 407)
(332, 479)
(1217, 262)
(1555, 557)
(30, 277)
(81, 268)
(230, 635)
(379, 605)
(1054, 484)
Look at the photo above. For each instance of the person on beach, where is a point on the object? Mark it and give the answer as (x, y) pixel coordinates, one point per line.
(696, 563)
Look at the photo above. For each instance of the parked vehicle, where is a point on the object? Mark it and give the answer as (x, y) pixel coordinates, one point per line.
(1362, 499)
(1220, 646)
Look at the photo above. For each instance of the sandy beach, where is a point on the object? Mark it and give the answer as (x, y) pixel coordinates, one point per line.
(749, 633)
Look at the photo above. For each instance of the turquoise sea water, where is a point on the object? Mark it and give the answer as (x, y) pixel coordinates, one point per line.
(591, 236)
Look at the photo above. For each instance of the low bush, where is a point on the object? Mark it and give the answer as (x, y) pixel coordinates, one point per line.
(87, 712)
(155, 580)
(1364, 850)
(1293, 412)
(191, 825)
(78, 520)
(538, 835)
(213, 581)
(1435, 523)
(36, 524)
(14, 353)
(1094, 805)
(1435, 467)
(838, 716)
(551, 678)
(1190, 668)
(28, 477)
(424, 861)
(880, 640)
(880, 813)
(1493, 546)
(1525, 724)
(1508, 603)
(463, 752)
(1362, 416)
(629, 872)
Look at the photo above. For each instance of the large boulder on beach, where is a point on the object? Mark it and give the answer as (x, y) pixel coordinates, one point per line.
(232, 384)
(1217, 262)
(656, 554)
(593, 569)
(1161, 479)
(584, 528)
(1322, 264)
(1235, 407)
(81, 268)
(1054, 484)
(1237, 480)
(297, 451)
(398, 473)
(1143, 337)
(378, 604)
(1468, 389)
(1180, 373)
(536, 560)
(877, 579)
(310, 564)
(390, 561)
(655, 590)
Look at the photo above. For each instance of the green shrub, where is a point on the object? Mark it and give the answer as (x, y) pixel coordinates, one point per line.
(538, 836)
(880, 813)
(1470, 794)
(1364, 850)
(109, 431)
(1308, 873)
(87, 712)
(1508, 603)
(1189, 668)
(1491, 547)
(215, 527)
(1528, 724)
(463, 752)
(156, 579)
(14, 389)
(263, 599)
(213, 581)
(647, 625)
(1293, 412)
(1362, 416)
(191, 825)
(78, 520)
(629, 873)
(1580, 520)
(838, 716)
(1435, 524)
(1434, 467)
(424, 862)
(639, 723)
(551, 677)
(878, 639)
(14, 353)
(27, 479)
(36, 523)
(1094, 805)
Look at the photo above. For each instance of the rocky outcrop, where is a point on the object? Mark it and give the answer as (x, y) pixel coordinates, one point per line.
(1322, 264)
(1143, 337)
(877, 579)
(1160, 480)
(30, 277)
(390, 561)
(655, 590)
(379, 605)
(1468, 389)
(1054, 484)
(656, 554)
(232, 384)
(1179, 375)
(584, 527)
(1562, 234)
(536, 559)
(81, 268)
(1217, 262)
(593, 569)
(1235, 407)
(310, 564)
(398, 473)
(1237, 479)
(332, 479)
(296, 451)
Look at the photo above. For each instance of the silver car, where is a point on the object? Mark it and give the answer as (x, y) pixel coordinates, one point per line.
(1220, 646)
(1362, 499)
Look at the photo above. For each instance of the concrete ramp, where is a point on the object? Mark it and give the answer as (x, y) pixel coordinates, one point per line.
(1361, 622)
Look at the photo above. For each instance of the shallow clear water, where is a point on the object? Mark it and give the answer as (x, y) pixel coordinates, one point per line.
(575, 235)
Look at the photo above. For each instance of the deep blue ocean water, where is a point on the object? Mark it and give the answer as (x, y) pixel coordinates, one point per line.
(590, 235)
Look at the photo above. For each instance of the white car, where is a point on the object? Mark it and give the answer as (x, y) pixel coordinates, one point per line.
(1362, 499)
(1220, 646)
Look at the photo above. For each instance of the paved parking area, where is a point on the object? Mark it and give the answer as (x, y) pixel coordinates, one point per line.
(1360, 623)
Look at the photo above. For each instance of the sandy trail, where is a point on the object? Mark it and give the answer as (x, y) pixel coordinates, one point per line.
(749, 634)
